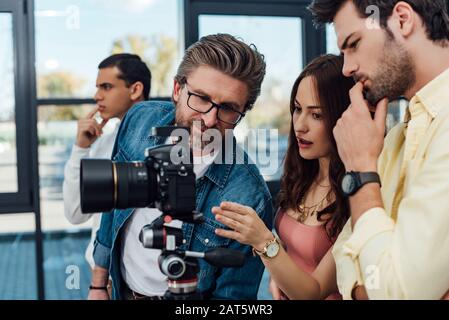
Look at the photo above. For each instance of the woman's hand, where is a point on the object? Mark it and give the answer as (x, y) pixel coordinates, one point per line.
(274, 290)
(247, 227)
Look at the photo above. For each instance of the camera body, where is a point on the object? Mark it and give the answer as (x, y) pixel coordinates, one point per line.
(175, 187)
(164, 180)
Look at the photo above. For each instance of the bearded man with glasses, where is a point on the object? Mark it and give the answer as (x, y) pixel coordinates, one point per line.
(217, 83)
(226, 112)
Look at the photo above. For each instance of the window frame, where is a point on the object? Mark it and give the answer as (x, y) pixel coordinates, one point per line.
(24, 200)
(313, 39)
(27, 197)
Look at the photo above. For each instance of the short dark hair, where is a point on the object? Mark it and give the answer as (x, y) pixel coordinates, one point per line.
(434, 13)
(132, 69)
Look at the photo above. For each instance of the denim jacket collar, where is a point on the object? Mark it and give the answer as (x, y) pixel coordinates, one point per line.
(218, 174)
(166, 120)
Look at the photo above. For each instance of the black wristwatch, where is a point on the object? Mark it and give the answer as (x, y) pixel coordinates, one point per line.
(353, 181)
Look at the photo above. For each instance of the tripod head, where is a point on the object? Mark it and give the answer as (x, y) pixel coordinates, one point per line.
(180, 266)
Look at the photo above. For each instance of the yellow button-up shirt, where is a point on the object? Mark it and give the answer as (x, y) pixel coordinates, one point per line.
(401, 251)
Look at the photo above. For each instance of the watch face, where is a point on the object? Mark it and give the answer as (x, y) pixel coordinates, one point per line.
(348, 183)
(272, 249)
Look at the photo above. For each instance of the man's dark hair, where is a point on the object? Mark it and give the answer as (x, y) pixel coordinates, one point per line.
(434, 13)
(132, 69)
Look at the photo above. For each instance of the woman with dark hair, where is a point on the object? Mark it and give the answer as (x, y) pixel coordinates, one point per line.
(312, 208)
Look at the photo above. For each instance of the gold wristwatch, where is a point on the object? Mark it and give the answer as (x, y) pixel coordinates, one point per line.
(270, 250)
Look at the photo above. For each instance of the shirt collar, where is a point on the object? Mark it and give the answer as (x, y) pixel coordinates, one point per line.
(430, 97)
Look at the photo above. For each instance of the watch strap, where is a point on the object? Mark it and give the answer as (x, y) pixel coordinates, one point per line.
(265, 248)
(368, 177)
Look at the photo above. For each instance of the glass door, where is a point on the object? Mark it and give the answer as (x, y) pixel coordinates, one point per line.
(16, 187)
(21, 275)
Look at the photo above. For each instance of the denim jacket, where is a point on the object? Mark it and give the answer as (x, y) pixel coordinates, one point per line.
(241, 183)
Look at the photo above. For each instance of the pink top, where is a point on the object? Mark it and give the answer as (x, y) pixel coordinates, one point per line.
(305, 244)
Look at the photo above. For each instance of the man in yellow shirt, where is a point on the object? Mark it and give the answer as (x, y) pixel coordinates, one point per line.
(396, 244)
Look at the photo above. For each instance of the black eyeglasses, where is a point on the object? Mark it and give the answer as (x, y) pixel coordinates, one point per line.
(203, 104)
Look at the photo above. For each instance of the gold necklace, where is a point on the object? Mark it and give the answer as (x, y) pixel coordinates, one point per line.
(318, 184)
(305, 212)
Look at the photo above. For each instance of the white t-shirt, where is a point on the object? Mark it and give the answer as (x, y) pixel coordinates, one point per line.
(101, 149)
(139, 265)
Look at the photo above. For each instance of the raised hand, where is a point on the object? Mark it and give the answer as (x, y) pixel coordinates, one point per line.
(89, 130)
(359, 137)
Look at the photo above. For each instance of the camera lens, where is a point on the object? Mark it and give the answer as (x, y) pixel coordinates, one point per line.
(105, 185)
(96, 185)
(134, 182)
(155, 182)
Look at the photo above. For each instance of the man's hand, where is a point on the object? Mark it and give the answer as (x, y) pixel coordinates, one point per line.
(89, 130)
(100, 278)
(359, 293)
(96, 294)
(359, 137)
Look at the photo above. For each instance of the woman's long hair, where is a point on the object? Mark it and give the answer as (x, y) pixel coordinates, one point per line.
(332, 89)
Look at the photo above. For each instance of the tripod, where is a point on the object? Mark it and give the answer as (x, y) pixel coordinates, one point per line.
(183, 287)
(180, 266)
